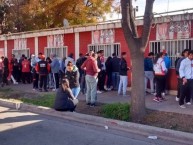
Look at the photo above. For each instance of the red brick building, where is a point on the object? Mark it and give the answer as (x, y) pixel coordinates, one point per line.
(172, 33)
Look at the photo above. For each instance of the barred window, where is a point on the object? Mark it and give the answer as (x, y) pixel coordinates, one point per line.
(18, 53)
(60, 52)
(172, 47)
(109, 49)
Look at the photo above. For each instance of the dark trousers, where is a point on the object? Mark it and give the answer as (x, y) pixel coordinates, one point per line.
(1, 76)
(43, 81)
(186, 91)
(109, 79)
(160, 85)
(5, 75)
(26, 77)
(56, 80)
(178, 87)
(35, 80)
(101, 80)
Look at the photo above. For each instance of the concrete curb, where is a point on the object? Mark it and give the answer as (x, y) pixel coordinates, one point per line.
(177, 136)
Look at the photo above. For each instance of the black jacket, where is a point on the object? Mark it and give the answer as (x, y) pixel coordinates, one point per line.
(123, 68)
(115, 62)
(73, 78)
(63, 100)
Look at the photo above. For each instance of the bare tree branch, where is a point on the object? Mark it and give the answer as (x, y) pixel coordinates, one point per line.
(148, 18)
(126, 19)
(132, 20)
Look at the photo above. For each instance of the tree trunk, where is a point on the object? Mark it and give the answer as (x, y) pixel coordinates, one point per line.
(138, 87)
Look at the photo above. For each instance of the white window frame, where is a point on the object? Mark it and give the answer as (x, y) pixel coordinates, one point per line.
(108, 48)
(64, 51)
(18, 53)
(172, 47)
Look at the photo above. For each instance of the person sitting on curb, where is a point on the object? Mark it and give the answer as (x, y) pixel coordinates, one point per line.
(65, 100)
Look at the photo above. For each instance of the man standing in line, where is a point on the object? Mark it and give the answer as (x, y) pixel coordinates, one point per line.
(43, 68)
(184, 55)
(149, 74)
(55, 67)
(186, 74)
(123, 69)
(115, 71)
(92, 70)
(102, 73)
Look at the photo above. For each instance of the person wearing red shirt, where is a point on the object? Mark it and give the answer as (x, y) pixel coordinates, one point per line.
(92, 70)
(25, 70)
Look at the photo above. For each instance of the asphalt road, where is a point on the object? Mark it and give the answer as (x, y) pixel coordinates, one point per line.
(25, 128)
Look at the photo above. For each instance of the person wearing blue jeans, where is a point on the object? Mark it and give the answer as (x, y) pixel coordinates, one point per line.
(115, 62)
(72, 74)
(115, 80)
(123, 68)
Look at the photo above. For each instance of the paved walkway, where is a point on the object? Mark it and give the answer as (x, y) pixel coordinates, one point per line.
(111, 97)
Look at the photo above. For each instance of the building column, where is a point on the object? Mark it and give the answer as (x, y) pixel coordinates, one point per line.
(5, 48)
(77, 45)
(36, 46)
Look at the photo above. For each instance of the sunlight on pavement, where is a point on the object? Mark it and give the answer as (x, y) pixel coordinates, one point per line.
(11, 117)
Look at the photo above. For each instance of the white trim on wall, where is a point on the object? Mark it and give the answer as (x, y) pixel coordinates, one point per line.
(5, 46)
(77, 45)
(36, 46)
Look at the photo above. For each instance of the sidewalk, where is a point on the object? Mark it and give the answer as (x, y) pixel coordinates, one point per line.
(112, 97)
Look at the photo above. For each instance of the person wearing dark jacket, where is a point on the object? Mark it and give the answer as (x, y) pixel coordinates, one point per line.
(65, 100)
(102, 73)
(149, 74)
(109, 72)
(43, 68)
(123, 69)
(72, 75)
(115, 71)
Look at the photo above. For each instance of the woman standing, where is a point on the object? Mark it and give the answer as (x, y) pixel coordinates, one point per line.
(160, 76)
(72, 74)
(65, 100)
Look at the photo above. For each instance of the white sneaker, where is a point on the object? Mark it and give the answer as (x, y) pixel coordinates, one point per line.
(99, 92)
(163, 94)
(188, 103)
(15, 83)
(182, 106)
(177, 99)
(53, 90)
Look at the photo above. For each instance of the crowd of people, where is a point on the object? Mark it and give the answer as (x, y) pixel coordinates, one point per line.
(156, 72)
(92, 74)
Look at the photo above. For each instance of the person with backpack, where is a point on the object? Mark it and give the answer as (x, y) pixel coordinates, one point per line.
(25, 71)
(160, 76)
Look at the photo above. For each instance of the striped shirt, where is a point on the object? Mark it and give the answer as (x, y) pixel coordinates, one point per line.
(186, 69)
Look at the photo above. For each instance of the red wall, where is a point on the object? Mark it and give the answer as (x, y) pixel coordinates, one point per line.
(1, 44)
(69, 40)
(31, 45)
(10, 47)
(42, 43)
(85, 39)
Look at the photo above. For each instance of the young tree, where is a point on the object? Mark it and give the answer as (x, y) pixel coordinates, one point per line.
(137, 47)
